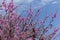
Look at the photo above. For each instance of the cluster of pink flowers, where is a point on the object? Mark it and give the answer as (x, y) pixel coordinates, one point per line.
(14, 27)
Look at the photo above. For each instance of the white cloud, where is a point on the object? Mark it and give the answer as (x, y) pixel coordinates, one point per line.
(55, 2)
(44, 2)
(20, 1)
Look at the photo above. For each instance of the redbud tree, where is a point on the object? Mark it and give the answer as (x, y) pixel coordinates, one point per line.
(16, 27)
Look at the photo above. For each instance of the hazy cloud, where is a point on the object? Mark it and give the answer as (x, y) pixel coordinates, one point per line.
(20, 1)
(55, 2)
(44, 2)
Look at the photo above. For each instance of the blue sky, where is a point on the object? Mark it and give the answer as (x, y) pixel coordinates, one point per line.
(47, 7)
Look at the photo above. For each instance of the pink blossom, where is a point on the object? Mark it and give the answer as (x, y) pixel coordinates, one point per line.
(1, 32)
(30, 27)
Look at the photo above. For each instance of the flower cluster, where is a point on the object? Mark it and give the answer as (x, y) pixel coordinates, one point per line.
(14, 27)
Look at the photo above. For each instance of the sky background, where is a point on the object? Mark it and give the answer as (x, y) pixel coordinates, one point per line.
(47, 7)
